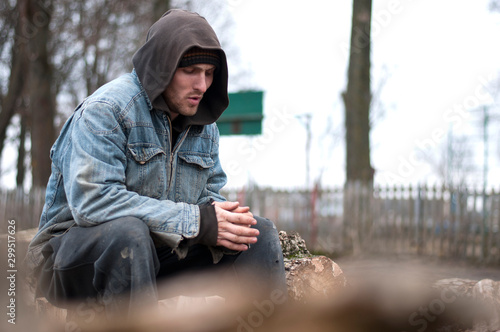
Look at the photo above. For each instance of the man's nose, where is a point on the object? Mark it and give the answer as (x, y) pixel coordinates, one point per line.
(201, 83)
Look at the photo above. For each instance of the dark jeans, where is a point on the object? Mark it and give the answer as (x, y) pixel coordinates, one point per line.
(116, 266)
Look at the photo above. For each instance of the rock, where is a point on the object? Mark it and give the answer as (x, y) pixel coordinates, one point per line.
(309, 277)
(453, 303)
(482, 297)
(459, 287)
(487, 293)
(293, 246)
(313, 278)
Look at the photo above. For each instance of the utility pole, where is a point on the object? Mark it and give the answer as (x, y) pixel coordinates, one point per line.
(486, 119)
(449, 158)
(485, 178)
(307, 124)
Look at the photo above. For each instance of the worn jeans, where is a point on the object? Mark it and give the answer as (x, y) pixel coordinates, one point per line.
(116, 266)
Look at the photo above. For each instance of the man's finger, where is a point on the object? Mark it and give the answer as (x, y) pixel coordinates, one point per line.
(241, 209)
(237, 234)
(234, 231)
(231, 245)
(227, 205)
(237, 239)
(241, 219)
(236, 218)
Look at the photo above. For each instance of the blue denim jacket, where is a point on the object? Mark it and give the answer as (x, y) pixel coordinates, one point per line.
(114, 159)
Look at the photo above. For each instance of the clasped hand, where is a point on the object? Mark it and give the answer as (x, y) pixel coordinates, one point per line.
(234, 223)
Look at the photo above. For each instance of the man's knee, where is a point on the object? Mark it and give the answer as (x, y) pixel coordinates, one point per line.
(129, 237)
(268, 237)
(264, 224)
(128, 229)
(89, 244)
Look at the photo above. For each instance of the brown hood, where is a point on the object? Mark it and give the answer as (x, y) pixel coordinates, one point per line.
(156, 62)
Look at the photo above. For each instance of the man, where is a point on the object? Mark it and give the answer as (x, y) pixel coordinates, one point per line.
(134, 192)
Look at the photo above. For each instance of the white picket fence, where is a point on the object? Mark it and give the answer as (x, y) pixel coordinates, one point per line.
(437, 221)
(23, 207)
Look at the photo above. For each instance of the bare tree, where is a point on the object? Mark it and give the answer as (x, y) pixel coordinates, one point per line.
(452, 161)
(357, 98)
(63, 51)
(158, 8)
(42, 96)
(495, 5)
(15, 28)
(378, 108)
(97, 42)
(54, 44)
(217, 14)
(21, 154)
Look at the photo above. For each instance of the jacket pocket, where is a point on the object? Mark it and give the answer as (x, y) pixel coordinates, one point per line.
(144, 152)
(193, 172)
(199, 160)
(146, 172)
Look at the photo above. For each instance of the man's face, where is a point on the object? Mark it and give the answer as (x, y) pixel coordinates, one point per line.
(184, 93)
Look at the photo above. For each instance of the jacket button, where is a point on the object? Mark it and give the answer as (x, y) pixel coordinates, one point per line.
(142, 162)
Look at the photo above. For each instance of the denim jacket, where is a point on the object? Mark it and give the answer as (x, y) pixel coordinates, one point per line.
(114, 159)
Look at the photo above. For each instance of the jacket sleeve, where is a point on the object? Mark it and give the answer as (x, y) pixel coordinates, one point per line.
(95, 180)
(218, 178)
(208, 227)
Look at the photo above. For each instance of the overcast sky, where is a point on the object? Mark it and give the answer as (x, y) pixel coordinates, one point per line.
(437, 59)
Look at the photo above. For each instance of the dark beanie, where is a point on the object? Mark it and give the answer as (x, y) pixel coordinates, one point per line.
(198, 55)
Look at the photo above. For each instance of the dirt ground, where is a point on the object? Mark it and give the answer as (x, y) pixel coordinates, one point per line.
(425, 269)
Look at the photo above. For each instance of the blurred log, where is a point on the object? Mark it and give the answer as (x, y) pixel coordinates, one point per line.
(313, 278)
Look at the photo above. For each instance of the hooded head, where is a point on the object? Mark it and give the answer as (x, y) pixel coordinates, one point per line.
(175, 34)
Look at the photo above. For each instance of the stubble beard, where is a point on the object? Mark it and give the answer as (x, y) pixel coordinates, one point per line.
(185, 109)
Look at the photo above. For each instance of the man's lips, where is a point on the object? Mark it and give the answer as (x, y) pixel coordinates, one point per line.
(194, 100)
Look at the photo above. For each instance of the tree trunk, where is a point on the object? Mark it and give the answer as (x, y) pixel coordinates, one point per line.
(42, 100)
(18, 72)
(159, 8)
(21, 169)
(358, 96)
